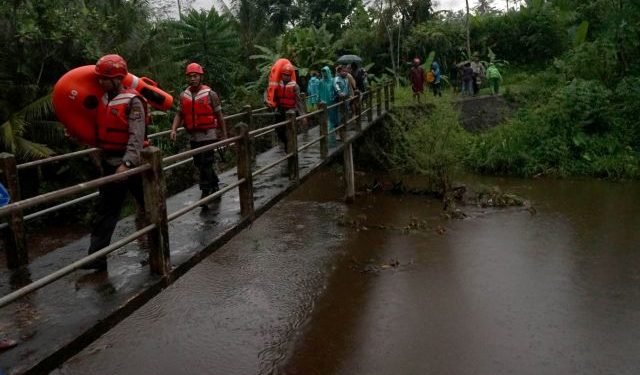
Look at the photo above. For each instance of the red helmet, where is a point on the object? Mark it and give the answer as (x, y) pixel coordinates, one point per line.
(194, 68)
(287, 69)
(111, 66)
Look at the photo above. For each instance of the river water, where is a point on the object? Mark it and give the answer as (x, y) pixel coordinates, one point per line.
(389, 286)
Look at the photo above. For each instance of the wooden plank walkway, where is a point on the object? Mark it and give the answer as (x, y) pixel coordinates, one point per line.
(62, 318)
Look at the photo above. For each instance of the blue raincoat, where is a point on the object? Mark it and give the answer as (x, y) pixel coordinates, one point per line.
(312, 90)
(327, 95)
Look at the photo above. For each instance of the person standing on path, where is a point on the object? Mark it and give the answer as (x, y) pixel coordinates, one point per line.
(478, 73)
(467, 80)
(495, 78)
(201, 114)
(416, 76)
(435, 85)
(122, 117)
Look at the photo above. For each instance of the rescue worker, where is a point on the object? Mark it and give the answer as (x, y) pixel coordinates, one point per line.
(287, 97)
(201, 114)
(122, 115)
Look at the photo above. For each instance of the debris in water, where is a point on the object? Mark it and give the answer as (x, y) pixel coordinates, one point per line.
(377, 267)
(493, 197)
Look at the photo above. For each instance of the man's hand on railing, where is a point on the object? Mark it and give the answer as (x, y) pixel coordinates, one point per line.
(173, 135)
(122, 168)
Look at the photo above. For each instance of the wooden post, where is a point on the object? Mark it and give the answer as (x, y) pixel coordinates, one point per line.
(15, 240)
(370, 106)
(292, 146)
(359, 112)
(250, 126)
(275, 141)
(386, 96)
(342, 132)
(304, 127)
(378, 100)
(349, 173)
(245, 189)
(155, 191)
(324, 130)
(303, 97)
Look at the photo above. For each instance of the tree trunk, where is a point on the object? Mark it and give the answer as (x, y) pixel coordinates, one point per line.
(389, 32)
(397, 77)
(468, 37)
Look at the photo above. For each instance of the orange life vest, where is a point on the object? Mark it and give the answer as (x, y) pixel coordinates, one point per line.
(113, 120)
(197, 110)
(286, 95)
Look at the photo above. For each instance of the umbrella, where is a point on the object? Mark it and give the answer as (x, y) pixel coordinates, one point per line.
(348, 59)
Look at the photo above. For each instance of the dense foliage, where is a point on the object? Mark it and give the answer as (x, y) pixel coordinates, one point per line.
(573, 65)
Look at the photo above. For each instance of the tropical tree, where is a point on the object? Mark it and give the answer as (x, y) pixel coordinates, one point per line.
(264, 61)
(484, 7)
(209, 39)
(309, 47)
(13, 130)
(330, 13)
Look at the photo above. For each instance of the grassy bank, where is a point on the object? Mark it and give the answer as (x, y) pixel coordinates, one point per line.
(424, 139)
(561, 128)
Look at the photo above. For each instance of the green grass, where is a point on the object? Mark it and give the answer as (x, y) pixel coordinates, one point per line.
(424, 139)
(560, 129)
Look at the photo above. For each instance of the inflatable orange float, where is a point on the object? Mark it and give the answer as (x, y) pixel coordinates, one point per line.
(274, 80)
(77, 93)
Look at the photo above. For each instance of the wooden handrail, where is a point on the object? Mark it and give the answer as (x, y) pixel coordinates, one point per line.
(154, 186)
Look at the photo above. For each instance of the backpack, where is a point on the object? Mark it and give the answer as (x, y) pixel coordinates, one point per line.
(430, 77)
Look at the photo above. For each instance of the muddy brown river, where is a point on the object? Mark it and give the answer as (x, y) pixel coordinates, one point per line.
(389, 286)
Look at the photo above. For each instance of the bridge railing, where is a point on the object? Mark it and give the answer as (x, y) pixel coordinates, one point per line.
(152, 173)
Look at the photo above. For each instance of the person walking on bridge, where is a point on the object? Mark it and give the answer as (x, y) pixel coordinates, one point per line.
(327, 95)
(200, 113)
(122, 115)
(287, 97)
(342, 88)
(313, 90)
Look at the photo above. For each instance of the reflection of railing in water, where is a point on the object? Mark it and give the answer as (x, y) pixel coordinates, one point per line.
(152, 172)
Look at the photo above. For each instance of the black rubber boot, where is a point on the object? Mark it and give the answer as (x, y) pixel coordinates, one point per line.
(205, 193)
(98, 265)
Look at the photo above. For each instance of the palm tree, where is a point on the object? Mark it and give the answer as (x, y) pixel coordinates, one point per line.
(209, 39)
(18, 123)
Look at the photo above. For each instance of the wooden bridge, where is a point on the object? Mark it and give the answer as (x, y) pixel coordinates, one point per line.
(43, 307)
